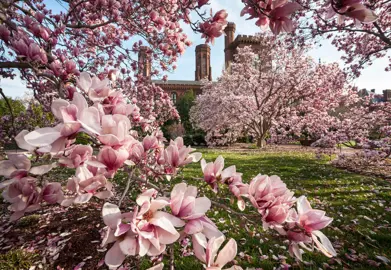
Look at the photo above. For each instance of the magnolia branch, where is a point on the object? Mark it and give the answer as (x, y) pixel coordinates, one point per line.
(8, 64)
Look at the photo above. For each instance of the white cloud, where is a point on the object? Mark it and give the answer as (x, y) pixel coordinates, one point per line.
(13, 88)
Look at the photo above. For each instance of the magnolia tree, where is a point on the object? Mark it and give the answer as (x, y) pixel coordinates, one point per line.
(263, 89)
(162, 215)
(50, 48)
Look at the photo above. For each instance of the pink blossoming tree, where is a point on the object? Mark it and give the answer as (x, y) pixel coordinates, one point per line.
(262, 89)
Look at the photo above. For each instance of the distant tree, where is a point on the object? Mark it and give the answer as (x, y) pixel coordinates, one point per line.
(183, 106)
(262, 89)
(17, 106)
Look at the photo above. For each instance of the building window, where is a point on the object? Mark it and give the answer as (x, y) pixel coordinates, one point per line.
(173, 97)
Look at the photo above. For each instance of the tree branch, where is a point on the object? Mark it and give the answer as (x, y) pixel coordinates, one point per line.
(22, 65)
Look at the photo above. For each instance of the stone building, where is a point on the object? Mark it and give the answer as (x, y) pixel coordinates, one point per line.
(203, 67)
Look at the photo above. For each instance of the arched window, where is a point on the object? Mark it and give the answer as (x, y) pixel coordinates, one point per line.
(173, 97)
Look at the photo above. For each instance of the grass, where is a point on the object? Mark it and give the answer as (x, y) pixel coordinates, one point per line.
(361, 228)
(17, 259)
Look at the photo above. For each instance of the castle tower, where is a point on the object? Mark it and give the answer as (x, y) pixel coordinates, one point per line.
(144, 62)
(229, 38)
(203, 68)
(387, 95)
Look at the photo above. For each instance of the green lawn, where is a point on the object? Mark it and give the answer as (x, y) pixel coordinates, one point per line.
(361, 228)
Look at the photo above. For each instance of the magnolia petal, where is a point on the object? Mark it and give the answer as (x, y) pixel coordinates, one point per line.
(193, 227)
(199, 244)
(111, 214)
(42, 136)
(163, 223)
(21, 162)
(84, 81)
(202, 205)
(90, 120)
(21, 142)
(114, 257)
(227, 254)
(40, 170)
(83, 198)
(128, 245)
(6, 183)
(324, 245)
(7, 168)
(104, 194)
(165, 237)
(56, 107)
(303, 205)
(177, 222)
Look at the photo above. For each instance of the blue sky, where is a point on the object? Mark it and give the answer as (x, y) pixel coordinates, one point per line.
(373, 77)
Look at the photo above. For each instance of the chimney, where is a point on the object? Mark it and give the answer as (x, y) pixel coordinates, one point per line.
(229, 38)
(203, 68)
(144, 62)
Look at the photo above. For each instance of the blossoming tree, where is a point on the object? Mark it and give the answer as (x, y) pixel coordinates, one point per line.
(262, 89)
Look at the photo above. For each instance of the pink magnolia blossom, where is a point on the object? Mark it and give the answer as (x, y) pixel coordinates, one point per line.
(353, 9)
(112, 158)
(214, 173)
(304, 227)
(96, 89)
(177, 155)
(77, 156)
(85, 185)
(207, 252)
(145, 231)
(24, 196)
(271, 197)
(279, 17)
(115, 130)
(52, 193)
(19, 166)
(186, 206)
(74, 116)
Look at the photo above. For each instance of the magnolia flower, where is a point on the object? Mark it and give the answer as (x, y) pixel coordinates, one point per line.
(79, 154)
(24, 196)
(177, 155)
(279, 17)
(19, 166)
(74, 116)
(304, 227)
(271, 197)
(207, 252)
(85, 185)
(353, 9)
(52, 193)
(145, 231)
(186, 206)
(112, 159)
(213, 172)
(96, 89)
(115, 130)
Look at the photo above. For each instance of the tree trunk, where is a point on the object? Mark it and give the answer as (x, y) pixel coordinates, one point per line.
(261, 142)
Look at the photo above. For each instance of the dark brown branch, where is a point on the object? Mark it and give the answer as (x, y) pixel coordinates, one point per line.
(14, 65)
(78, 26)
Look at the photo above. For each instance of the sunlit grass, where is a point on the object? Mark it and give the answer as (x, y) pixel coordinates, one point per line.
(358, 204)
